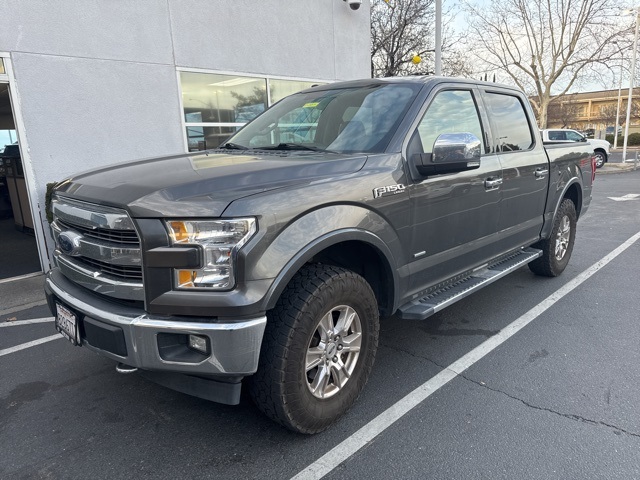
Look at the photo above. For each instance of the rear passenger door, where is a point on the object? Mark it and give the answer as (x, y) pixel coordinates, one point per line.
(525, 168)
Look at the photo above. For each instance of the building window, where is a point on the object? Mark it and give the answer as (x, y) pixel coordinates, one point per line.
(216, 106)
(283, 88)
(2, 72)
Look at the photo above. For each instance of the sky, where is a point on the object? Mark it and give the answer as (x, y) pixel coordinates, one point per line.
(608, 78)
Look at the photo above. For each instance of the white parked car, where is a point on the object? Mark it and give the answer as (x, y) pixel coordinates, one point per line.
(564, 135)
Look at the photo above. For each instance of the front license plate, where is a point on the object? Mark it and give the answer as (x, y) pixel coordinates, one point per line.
(66, 323)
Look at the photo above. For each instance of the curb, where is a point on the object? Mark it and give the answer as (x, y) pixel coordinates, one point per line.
(615, 168)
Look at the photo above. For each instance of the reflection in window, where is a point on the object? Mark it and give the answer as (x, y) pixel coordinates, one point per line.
(355, 119)
(284, 88)
(215, 106)
(451, 111)
(7, 137)
(222, 98)
(203, 138)
(511, 122)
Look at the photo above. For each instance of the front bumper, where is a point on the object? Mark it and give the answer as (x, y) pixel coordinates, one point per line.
(131, 336)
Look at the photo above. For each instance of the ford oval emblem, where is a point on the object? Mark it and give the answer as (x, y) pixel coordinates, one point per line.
(69, 243)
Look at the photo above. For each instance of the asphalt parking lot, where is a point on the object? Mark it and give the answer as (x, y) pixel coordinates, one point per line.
(556, 398)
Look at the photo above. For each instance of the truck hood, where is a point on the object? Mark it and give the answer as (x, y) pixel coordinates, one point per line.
(201, 184)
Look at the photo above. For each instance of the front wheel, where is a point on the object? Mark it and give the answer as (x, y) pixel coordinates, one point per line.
(600, 159)
(556, 250)
(318, 349)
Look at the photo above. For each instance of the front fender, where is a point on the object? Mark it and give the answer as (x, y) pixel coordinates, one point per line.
(317, 230)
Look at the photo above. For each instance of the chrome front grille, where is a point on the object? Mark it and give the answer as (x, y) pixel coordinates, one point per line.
(116, 236)
(129, 273)
(98, 248)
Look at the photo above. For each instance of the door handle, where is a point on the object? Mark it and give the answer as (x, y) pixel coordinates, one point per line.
(541, 172)
(492, 183)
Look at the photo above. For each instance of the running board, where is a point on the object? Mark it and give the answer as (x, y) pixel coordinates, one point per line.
(426, 306)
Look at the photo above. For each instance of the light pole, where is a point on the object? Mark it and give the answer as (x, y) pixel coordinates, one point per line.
(438, 69)
(615, 128)
(631, 79)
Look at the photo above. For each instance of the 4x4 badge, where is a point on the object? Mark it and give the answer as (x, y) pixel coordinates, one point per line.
(388, 190)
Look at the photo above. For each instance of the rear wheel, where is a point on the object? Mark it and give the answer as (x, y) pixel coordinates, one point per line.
(556, 250)
(318, 348)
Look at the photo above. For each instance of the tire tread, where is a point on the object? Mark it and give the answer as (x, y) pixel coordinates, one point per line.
(267, 387)
(546, 265)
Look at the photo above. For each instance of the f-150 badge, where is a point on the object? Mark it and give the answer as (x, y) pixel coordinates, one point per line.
(388, 190)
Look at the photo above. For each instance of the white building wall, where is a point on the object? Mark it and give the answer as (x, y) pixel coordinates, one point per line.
(96, 80)
(284, 37)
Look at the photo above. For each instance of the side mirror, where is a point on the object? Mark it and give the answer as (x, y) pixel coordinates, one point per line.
(452, 152)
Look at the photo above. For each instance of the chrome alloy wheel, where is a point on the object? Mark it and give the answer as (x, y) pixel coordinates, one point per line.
(600, 160)
(562, 239)
(333, 351)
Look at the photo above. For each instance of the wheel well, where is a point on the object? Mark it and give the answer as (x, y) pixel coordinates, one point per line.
(574, 193)
(366, 261)
(602, 151)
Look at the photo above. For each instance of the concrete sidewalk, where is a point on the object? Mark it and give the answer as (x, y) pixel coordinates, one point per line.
(616, 168)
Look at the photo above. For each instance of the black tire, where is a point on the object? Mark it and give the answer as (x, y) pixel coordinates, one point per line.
(556, 250)
(282, 386)
(601, 158)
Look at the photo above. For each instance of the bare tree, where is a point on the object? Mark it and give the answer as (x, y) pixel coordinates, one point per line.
(563, 111)
(402, 29)
(607, 113)
(546, 46)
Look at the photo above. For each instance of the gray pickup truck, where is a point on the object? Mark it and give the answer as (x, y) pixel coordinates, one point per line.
(271, 258)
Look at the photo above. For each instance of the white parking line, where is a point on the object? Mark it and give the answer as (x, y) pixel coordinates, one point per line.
(367, 433)
(21, 277)
(26, 322)
(22, 346)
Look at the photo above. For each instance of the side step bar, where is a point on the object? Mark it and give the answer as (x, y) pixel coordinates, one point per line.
(426, 306)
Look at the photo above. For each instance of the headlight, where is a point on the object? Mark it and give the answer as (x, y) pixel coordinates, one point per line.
(220, 240)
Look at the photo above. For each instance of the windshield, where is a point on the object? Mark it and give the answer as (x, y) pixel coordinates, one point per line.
(345, 120)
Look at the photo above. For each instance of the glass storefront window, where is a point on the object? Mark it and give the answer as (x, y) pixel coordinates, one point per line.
(214, 98)
(284, 88)
(215, 106)
(204, 138)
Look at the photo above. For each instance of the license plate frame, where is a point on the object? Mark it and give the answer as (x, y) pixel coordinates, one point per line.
(67, 323)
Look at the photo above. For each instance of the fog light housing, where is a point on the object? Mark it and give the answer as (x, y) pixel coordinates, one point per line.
(199, 343)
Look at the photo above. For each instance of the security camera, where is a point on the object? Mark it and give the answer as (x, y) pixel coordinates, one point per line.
(354, 4)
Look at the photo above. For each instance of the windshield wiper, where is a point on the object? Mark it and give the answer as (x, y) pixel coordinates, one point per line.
(291, 146)
(233, 146)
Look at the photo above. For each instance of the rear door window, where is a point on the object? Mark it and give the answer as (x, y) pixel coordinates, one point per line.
(510, 120)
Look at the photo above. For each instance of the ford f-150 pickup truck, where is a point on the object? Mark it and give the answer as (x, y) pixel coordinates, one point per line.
(271, 258)
(564, 135)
